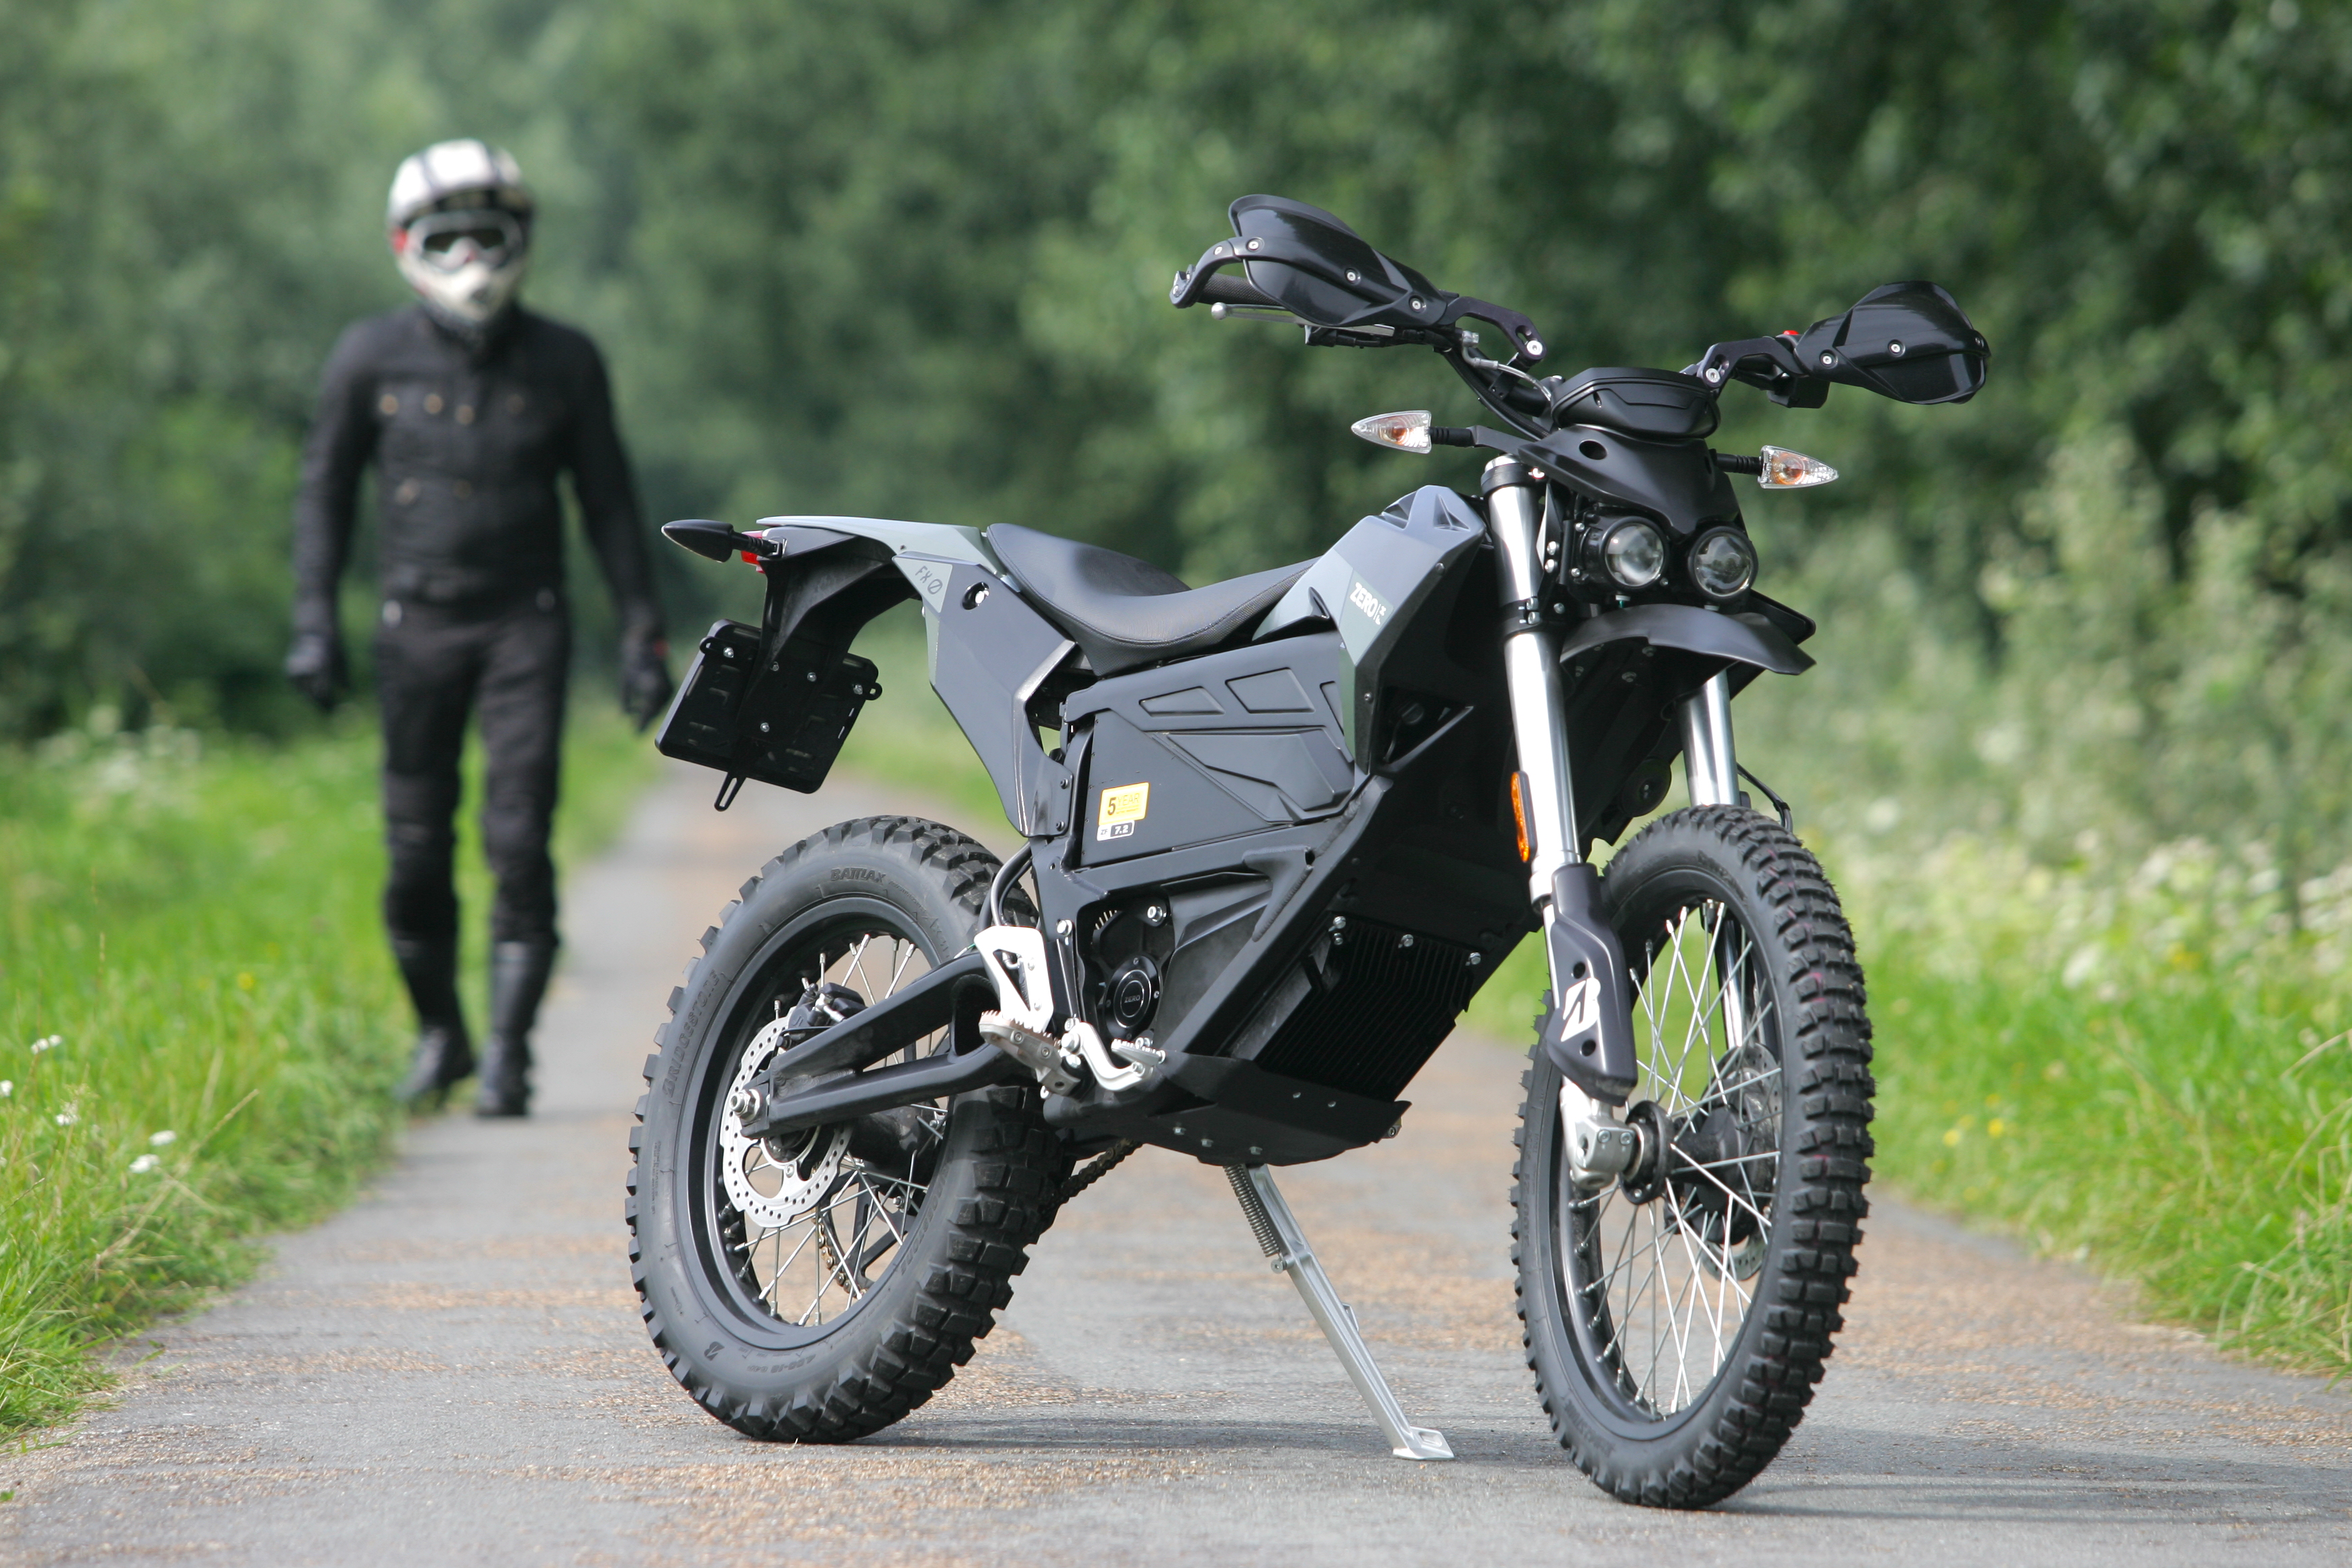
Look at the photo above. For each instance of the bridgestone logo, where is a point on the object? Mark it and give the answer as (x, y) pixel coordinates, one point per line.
(1580, 1009)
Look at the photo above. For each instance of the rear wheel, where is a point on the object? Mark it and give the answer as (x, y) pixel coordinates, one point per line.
(1678, 1318)
(818, 1287)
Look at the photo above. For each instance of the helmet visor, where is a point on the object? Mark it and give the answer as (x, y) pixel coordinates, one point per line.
(447, 241)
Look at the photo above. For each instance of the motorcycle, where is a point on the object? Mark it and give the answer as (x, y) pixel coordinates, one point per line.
(1278, 831)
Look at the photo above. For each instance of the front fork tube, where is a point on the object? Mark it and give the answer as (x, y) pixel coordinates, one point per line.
(1710, 765)
(1711, 768)
(1589, 1033)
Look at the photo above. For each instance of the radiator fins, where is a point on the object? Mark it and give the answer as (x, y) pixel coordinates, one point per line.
(1389, 998)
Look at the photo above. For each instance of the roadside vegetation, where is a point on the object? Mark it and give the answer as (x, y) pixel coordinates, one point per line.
(199, 1026)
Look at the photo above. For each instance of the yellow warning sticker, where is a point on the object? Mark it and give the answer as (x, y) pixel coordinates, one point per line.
(1122, 809)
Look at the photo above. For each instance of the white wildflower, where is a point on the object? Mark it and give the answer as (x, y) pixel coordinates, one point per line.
(144, 1163)
(160, 1139)
(7, 1087)
(66, 1118)
(48, 1043)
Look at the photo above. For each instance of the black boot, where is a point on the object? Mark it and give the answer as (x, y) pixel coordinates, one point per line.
(519, 971)
(444, 1052)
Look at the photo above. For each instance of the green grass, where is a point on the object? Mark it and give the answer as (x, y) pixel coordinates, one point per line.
(199, 1028)
(2139, 1064)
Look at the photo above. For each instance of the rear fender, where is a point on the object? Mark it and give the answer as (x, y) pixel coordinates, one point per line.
(827, 577)
(775, 702)
(989, 651)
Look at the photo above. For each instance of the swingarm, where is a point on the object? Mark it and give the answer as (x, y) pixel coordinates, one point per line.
(821, 1080)
(818, 1080)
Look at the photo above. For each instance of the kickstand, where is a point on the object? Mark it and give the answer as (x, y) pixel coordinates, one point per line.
(1277, 1231)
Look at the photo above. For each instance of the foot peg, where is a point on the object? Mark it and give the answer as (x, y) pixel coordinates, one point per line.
(1015, 957)
(1277, 1231)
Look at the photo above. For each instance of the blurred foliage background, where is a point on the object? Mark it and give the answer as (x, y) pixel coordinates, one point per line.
(909, 258)
(2079, 739)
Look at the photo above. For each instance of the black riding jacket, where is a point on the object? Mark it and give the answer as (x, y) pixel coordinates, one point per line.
(466, 441)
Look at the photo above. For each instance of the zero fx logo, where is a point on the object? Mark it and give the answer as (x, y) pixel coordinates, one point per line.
(1365, 600)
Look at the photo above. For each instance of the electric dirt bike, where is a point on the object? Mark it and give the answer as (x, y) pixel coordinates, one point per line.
(1278, 831)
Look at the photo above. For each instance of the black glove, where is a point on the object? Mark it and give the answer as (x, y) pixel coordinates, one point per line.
(645, 685)
(315, 665)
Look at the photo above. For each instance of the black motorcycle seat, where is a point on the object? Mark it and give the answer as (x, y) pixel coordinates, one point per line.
(1124, 613)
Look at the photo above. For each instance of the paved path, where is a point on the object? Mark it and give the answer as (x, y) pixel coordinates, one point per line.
(454, 1370)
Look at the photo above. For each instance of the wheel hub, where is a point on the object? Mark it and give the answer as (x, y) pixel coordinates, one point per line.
(1714, 1165)
(1645, 1179)
(772, 1186)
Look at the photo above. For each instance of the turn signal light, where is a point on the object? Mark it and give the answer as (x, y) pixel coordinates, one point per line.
(1407, 431)
(1787, 470)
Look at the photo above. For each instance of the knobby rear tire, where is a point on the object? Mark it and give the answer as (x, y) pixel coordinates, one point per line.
(991, 1191)
(1690, 1438)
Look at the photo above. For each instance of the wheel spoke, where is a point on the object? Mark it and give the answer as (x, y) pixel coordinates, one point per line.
(1694, 1019)
(777, 1279)
(821, 1224)
(1680, 1317)
(1742, 1199)
(855, 964)
(1658, 1286)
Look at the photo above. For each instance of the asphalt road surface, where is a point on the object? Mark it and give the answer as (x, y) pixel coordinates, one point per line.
(454, 1370)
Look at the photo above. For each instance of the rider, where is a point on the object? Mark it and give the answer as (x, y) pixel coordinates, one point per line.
(468, 405)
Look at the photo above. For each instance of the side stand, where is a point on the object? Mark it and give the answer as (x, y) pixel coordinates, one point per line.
(1277, 1231)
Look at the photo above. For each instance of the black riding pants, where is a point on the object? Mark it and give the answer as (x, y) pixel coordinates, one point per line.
(435, 666)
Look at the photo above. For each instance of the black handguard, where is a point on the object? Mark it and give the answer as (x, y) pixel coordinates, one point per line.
(1587, 1033)
(646, 684)
(315, 666)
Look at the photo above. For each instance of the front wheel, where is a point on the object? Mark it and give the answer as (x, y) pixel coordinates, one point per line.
(816, 1286)
(1678, 1318)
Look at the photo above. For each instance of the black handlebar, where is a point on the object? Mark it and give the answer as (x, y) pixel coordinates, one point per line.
(1233, 289)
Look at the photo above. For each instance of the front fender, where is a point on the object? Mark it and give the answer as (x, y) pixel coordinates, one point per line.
(1624, 672)
(1749, 639)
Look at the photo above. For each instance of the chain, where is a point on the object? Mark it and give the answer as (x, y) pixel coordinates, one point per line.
(1097, 1169)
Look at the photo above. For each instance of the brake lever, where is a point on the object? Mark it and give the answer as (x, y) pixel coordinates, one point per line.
(1783, 372)
(1223, 311)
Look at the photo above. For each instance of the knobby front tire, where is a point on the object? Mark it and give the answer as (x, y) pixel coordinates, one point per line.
(1678, 1320)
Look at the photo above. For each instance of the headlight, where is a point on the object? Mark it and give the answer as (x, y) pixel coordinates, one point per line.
(1628, 551)
(1722, 562)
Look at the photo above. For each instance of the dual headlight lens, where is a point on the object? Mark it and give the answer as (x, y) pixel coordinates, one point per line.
(1633, 553)
(1722, 562)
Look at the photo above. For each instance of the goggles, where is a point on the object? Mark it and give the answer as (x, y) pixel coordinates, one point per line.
(447, 241)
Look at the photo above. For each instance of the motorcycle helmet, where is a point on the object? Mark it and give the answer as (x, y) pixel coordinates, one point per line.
(460, 223)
